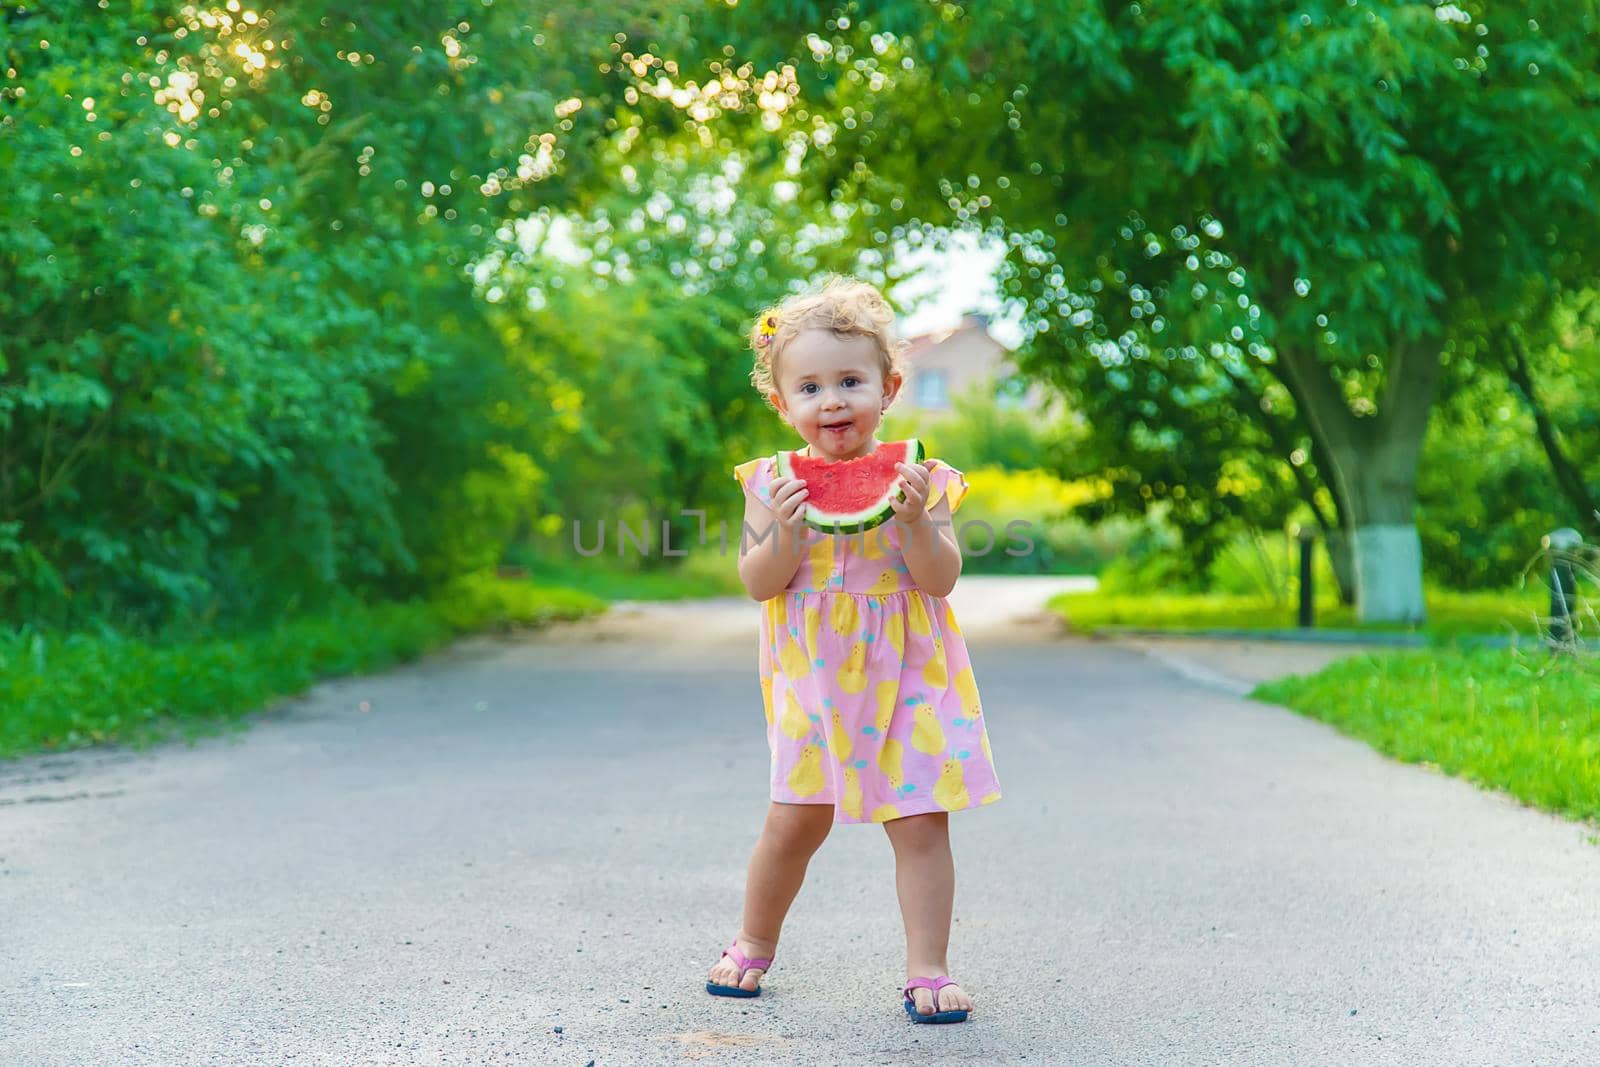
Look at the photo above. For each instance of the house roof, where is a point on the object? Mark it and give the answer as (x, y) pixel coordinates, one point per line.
(915, 346)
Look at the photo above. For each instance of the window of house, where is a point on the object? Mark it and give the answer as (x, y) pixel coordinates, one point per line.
(931, 389)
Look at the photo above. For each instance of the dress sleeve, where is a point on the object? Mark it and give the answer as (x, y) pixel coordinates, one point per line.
(755, 477)
(945, 481)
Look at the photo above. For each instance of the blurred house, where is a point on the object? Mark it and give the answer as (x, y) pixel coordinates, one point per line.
(944, 364)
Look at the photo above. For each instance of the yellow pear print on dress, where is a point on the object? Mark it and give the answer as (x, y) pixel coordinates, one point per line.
(853, 674)
(891, 762)
(950, 791)
(887, 582)
(885, 813)
(888, 694)
(806, 779)
(793, 722)
(874, 544)
(843, 616)
(842, 745)
(926, 734)
(936, 675)
(821, 557)
(778, 615)
(986, 753)
(793, 659)
(852, 793)
(766, 697)
(991, 798)
(950, 619)
(917, 613)
(813, 627)
(894, 628)
(967, 690)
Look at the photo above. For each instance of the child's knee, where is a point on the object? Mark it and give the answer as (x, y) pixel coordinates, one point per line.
(920, 833)
(800, 826)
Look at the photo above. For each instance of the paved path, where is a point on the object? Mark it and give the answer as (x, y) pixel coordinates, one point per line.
(1238, 665)
(550, 831)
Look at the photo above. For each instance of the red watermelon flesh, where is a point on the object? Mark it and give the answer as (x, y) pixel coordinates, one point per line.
(851, 495)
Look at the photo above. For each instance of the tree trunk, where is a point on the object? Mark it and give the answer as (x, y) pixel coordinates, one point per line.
(1374, 461)
(1333, 531)
(1380, 478)
(1339, 537)
(1336, 532)
(1341, 554)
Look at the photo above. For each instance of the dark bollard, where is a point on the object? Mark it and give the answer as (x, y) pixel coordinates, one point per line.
(1308, 541)
(1561, 544)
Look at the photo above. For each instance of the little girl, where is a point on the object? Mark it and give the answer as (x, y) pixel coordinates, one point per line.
(872, 710)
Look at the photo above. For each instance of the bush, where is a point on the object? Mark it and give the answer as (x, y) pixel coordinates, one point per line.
(979, 432)
(1060, 542)
(1152, 560)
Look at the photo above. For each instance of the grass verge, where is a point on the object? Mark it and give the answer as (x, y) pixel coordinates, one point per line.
(702, 573)
(1449, 613)
(72, 690)
(1517, 721)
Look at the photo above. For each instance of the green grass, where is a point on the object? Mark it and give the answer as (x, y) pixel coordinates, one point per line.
(1518, 721)
(1449, 613)
(702, 573)
(72, 690)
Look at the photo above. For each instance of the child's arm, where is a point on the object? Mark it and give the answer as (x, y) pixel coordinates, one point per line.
(931, 553)
(770, 544)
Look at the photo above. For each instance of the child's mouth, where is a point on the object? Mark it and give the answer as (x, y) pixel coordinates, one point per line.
(838, 427)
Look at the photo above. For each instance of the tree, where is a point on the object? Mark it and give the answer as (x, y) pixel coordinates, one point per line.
(635, 336)
(1566, 325)
(1327, 185)
(1481, 522)
(1215, 441)
(242, 363)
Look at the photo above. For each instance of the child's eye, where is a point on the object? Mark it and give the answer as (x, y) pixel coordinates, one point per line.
(808, 387)
(852, 381)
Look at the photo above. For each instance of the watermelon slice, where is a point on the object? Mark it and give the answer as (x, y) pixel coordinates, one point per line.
(852, 495)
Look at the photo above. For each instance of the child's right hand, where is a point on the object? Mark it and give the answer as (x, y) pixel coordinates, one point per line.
(789, 502)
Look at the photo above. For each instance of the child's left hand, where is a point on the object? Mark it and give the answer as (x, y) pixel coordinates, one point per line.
(913, 510)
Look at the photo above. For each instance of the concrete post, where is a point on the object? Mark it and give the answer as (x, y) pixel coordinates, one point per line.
(1308, 541)
(1561, 544)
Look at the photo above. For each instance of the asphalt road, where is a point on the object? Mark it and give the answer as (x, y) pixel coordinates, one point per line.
(530, 849)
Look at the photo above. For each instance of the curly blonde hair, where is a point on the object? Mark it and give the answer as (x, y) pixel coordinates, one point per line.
(847, 307)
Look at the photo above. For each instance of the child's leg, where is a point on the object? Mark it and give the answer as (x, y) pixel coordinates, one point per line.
(925, 877)
(792, 834)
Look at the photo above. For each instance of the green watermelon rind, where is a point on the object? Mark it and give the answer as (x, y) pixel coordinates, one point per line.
(869, 518)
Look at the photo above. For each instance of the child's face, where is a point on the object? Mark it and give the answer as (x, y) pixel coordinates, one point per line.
(832, 390)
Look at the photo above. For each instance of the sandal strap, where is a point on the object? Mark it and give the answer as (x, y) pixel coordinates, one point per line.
(744, 962)
(934, 984)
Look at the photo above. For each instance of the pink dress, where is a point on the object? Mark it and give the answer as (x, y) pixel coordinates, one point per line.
(870, 699)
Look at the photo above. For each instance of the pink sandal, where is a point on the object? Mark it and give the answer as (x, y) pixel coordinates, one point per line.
(958, 1015)
(745, 964)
